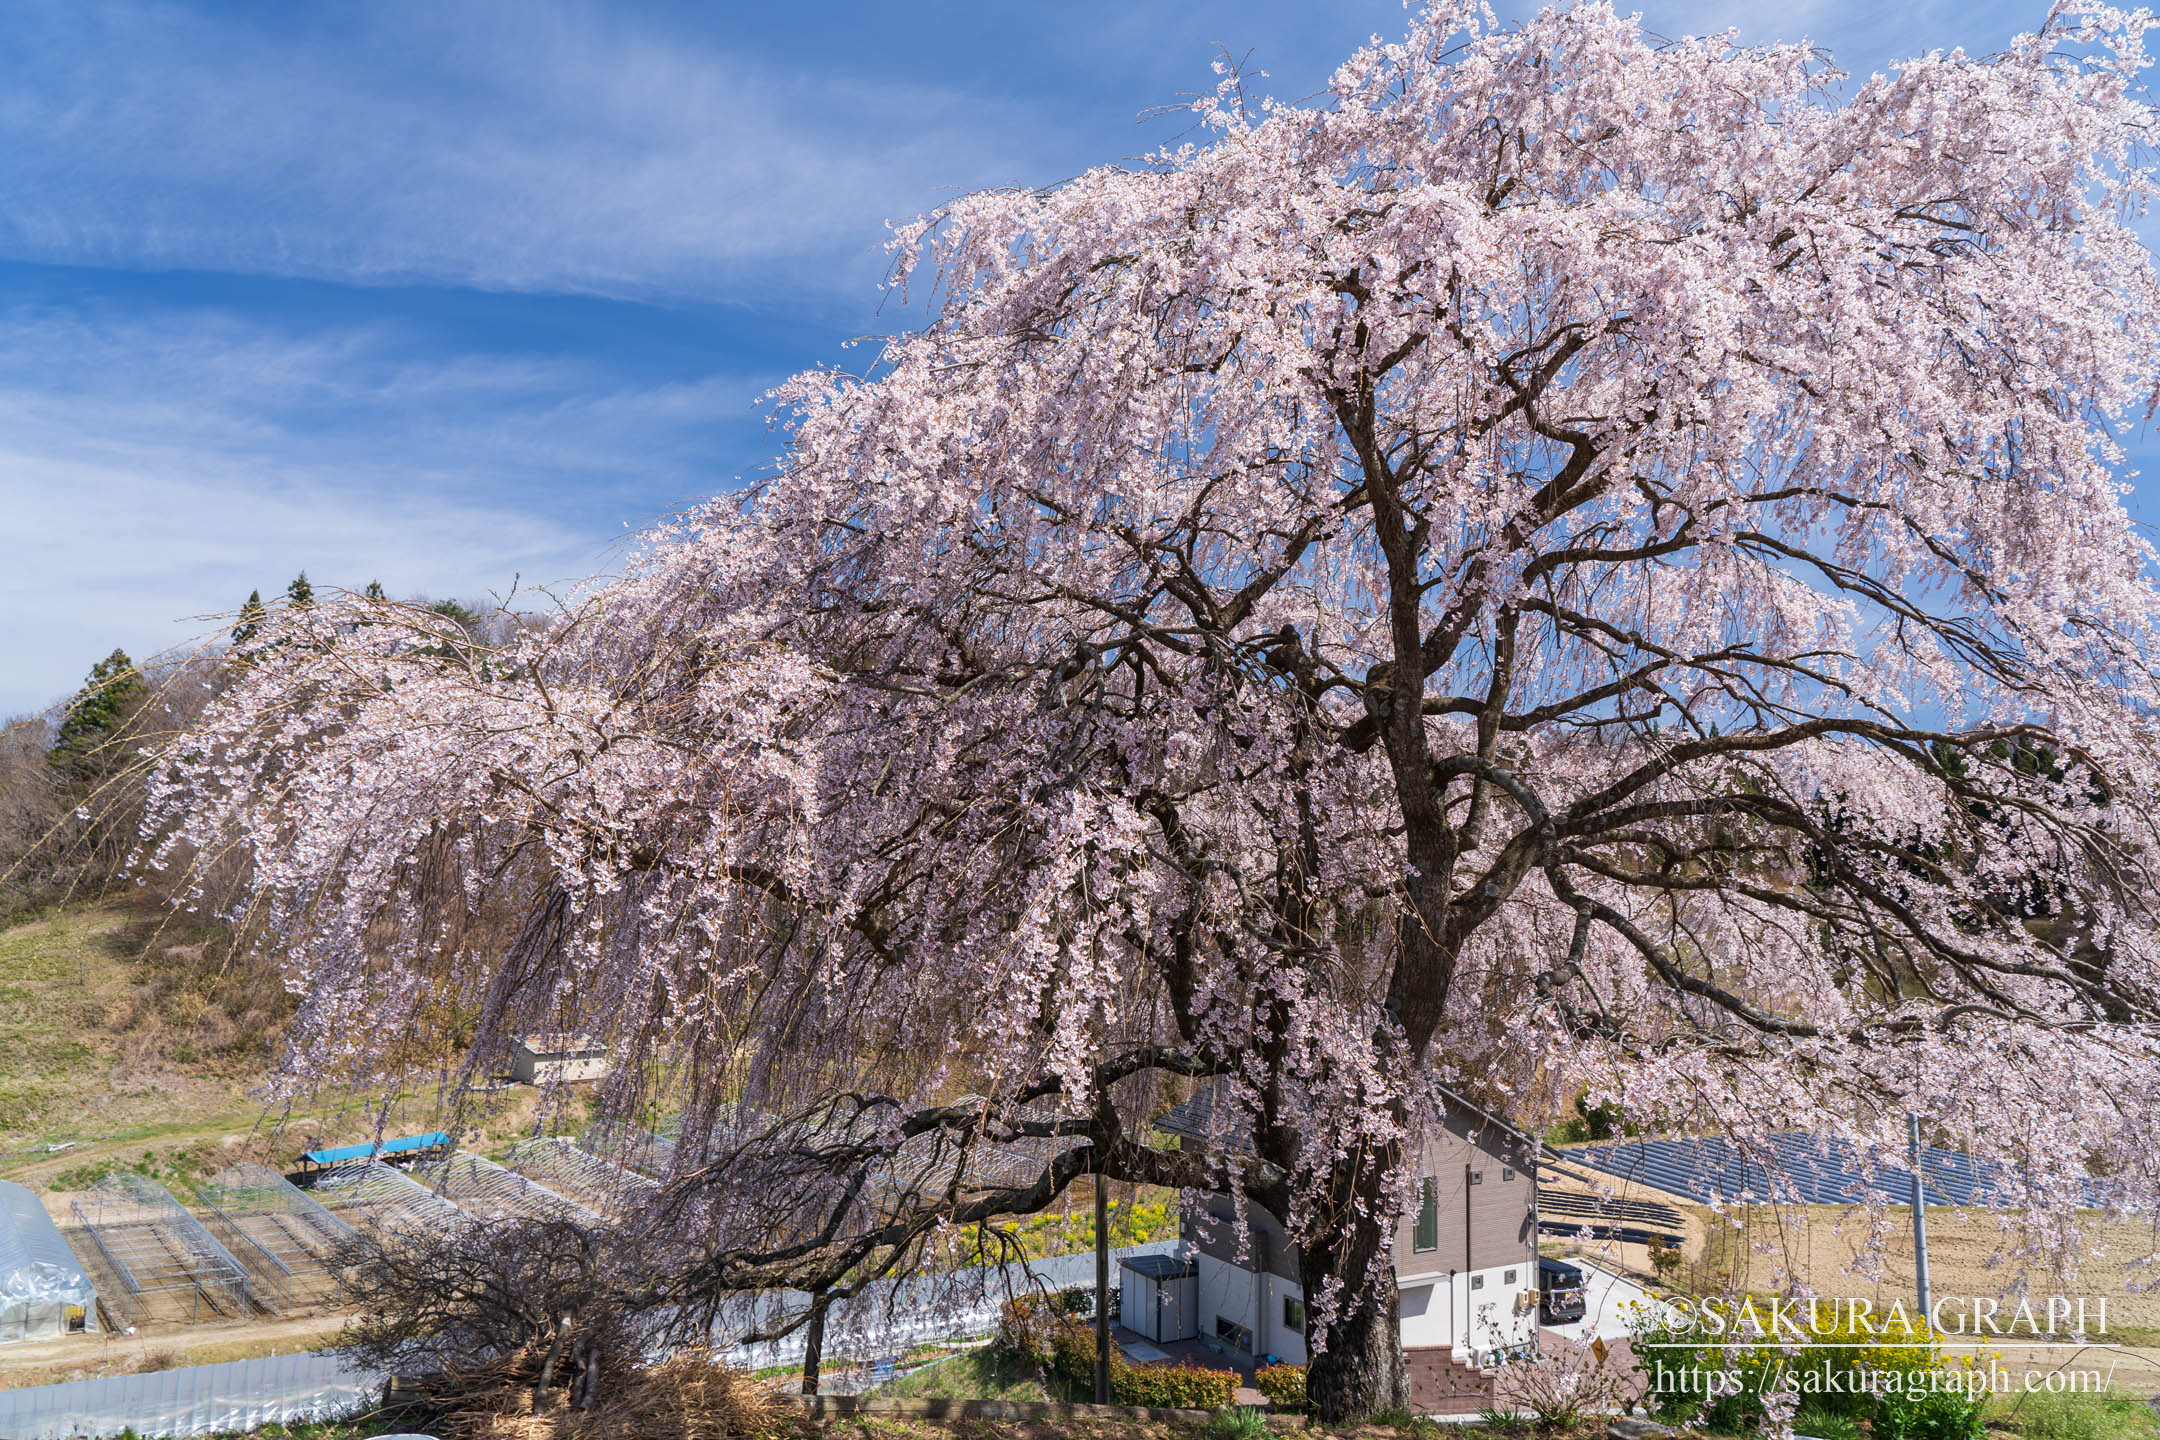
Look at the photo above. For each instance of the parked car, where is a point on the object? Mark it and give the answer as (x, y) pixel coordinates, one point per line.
(1560, 1292)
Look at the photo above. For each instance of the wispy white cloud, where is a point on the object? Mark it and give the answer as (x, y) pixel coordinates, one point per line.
(152, 470)
(560, 145)
(156, 462)
(505, 146)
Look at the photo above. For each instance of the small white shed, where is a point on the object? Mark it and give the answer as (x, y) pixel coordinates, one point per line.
(549, 1059)
(1159, 1297)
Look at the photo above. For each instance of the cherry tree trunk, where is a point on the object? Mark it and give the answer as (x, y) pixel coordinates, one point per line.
(813, 1345)
(1360, 1372)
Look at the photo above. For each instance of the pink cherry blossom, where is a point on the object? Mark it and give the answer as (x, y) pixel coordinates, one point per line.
(1574, 561)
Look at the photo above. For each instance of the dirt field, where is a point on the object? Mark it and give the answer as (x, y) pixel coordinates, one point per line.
(1844, 1251)
(87, 1357)
(1973, 1255)
(109, 1060)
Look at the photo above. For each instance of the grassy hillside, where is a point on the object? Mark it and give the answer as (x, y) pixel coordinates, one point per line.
(129, 1042)
(110, 1024)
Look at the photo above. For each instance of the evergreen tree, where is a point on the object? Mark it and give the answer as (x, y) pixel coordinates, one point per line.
(252, 616)
(374, 591)
(299, 595)
(98, 714)
(466, 617)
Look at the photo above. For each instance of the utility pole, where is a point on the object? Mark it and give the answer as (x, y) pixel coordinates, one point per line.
(1102, 1289)
(1919, 1217)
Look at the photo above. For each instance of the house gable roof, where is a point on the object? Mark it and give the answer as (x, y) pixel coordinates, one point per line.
(1194, 1119)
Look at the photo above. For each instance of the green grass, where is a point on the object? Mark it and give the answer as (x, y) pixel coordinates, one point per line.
(2146, 1336)
(358, 1428)
(126, 1038)
(2042, 1416)
(1241, 1423)
(62, 971)
(171, 1168)
(1813, 1420)
(985, 1373)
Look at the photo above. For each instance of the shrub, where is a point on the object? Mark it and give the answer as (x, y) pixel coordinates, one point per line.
(1032, 1326)
(1284, 1385)
(1170, 1387)
(1041, 1330)
(1813, 1419)
(1564, 1382)
(1931, 1415)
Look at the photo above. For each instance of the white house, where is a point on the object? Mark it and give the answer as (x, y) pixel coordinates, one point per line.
(548, 1059)
(1465, 1260)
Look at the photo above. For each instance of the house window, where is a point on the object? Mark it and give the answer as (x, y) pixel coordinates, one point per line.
(1236, 1336)
(1477, 1177)
(1427, 1235)
(1510, 1279)
(1293, 1314)
(1477, 1282)
(1506, 1174)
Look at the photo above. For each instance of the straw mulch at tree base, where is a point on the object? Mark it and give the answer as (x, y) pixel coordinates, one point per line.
(690, 1397)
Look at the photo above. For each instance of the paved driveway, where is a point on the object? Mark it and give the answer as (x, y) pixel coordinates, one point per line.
(1609, 1304)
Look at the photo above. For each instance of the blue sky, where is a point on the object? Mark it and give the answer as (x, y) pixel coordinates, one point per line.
(446, 294)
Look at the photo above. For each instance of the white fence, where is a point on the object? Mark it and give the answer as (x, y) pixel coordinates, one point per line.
(887, 1318)
(192, 1400)
(314, 1385)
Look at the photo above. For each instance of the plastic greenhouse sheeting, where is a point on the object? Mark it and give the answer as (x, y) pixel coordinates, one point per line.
(43, 1289)
(239, 1395)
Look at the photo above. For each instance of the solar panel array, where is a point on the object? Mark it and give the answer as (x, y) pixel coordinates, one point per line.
(1794, 1166)
(1564, 1204)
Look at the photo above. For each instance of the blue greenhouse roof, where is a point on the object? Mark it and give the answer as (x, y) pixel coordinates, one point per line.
(404, 1145)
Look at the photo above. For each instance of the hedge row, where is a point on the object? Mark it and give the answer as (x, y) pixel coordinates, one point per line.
(1044, 1333)
(1284, 1386)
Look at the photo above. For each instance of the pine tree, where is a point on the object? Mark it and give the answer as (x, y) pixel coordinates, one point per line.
(252, 616)
(97, 715)
(299, 595)
(467, 618)
(374, 591)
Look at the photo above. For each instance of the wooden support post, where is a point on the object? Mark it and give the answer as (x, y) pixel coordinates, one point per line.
(1102, 1289)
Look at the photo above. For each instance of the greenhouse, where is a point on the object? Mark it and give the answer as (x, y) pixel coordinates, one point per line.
(43, 1290)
